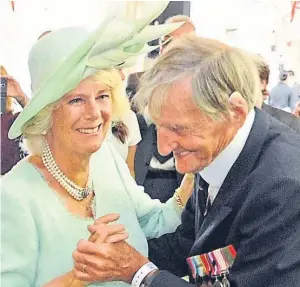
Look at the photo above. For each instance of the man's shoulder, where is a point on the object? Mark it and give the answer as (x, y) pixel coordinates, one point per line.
(272, 146)
(287, 118)
(279, 151)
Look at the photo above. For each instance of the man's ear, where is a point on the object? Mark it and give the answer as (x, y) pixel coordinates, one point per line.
(238, 106)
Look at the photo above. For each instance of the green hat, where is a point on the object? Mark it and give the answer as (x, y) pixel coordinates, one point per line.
(63, 58)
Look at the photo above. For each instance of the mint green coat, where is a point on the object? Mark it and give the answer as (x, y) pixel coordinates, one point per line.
(39, 234)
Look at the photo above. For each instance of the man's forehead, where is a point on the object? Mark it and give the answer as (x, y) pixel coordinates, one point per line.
(179, 105)
(180, 91)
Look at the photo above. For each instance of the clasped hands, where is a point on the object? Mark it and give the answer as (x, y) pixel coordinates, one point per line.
(106, 256)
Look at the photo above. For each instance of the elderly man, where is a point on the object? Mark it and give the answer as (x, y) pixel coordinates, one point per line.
(201, 95)
(155, 172)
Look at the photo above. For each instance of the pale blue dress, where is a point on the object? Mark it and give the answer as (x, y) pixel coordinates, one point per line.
(39, 234)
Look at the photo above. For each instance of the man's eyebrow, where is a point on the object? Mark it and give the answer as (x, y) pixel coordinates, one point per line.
(174, 126)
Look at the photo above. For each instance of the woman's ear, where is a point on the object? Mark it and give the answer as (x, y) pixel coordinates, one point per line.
(239, 106)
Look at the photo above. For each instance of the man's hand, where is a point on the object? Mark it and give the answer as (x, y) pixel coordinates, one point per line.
(104, 262)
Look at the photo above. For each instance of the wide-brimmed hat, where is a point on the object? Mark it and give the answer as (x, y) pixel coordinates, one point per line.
(63, 58)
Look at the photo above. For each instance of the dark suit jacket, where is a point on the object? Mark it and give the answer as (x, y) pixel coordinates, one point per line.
(257, 209)
(287, 118)
(145, 150)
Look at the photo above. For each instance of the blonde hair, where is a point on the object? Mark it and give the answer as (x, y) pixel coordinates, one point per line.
(35, 129)
(216, 71)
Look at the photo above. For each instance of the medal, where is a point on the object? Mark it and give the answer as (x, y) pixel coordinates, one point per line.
(225, 281)
(218, 283)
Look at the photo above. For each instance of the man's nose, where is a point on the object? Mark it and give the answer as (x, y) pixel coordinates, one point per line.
(166, 141)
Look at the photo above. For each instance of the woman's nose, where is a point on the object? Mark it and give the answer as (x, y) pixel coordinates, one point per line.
(93, 111)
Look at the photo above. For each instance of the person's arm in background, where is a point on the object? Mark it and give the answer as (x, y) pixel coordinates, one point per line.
(130, 159)
(134, 137)
(14, 91)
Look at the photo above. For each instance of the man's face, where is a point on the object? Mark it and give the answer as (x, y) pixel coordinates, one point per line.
(264, 90)
(193, 137)
(182, 30)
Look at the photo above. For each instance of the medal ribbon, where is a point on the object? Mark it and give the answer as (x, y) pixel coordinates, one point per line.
(215, 263)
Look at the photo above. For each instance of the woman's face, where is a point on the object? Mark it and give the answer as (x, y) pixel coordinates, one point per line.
(82, 118)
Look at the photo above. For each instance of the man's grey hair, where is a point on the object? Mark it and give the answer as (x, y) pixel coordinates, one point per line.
(216, 71)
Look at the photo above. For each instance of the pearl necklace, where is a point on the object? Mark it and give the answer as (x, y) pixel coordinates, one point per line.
(77, 192)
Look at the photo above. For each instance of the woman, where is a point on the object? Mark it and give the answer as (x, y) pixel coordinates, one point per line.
(50, 198)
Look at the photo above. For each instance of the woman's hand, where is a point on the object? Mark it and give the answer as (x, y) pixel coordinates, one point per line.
(90, 263)
(186, 188)
(67, 280)
(103, 231)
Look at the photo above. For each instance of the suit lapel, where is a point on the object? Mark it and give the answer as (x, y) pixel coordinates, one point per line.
(209, 224)
(230, 193)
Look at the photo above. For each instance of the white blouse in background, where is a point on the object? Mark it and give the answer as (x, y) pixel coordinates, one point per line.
(134, 135)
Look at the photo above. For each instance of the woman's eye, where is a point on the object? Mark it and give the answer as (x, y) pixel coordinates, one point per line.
(75, 101)
(102, 97)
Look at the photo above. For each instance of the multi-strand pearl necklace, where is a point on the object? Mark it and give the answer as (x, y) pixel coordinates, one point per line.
(77, 192)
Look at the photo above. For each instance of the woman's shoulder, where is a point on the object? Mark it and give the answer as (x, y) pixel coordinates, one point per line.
(108, 160)
(106, 155)
(21, 180)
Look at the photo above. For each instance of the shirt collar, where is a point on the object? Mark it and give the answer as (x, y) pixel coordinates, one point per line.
(215, 173)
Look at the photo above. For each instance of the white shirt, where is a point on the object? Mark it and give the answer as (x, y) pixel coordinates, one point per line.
(169, 165)
(215, 173)
(134, 135)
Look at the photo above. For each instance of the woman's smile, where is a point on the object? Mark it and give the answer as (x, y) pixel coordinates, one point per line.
(90, 131)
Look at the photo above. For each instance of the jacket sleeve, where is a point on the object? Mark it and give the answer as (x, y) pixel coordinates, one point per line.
(166, 279)
(269, 228)
(155, 218)
(170, 251)
(19, 240)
